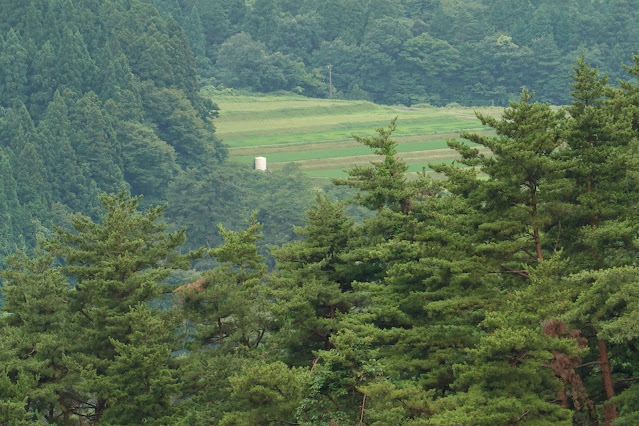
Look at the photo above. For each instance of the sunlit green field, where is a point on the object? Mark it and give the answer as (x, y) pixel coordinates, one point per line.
(317, 133)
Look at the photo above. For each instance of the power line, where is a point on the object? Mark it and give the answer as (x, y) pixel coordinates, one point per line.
(330, 81)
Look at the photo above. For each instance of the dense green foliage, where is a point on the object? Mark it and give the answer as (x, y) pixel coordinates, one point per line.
(472, 52)
(102, 96)
(505, 293)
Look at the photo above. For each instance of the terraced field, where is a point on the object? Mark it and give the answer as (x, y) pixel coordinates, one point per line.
(317, 133)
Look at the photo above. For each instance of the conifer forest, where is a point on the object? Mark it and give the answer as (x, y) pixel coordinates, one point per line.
(145, 278)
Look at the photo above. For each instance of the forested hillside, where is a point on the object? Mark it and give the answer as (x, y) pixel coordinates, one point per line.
(471, 52)
(101, 96)
(504, 293)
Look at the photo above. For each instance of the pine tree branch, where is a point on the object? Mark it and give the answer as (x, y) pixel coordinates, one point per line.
(86, 315)
(629, 379)
(315, 361)
(521, 272)
(587, 364)
(361, 413)
(522, 416)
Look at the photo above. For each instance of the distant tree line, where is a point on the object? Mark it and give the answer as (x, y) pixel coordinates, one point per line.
(477, 52)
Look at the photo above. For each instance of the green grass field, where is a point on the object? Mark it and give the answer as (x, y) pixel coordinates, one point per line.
(317, 133)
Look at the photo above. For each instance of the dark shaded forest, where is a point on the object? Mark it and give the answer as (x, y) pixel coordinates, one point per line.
(103, 96)
(503, 293)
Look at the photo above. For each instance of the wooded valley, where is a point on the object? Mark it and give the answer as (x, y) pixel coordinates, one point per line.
(146, 279)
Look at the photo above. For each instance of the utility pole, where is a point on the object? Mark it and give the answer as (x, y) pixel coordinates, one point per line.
(330, 81)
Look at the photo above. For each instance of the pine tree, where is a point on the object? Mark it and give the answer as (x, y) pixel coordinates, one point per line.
(600, 167)
(515, 202)
(602, 141)
(17, 121)
(33, 21)
(606, 308)
(117, 265)
(143, 375)
(523, 368)
(13, 399)
(310, 288)
(182, 60)
(68, 178)
(35, 337)
(195, 31)
(228, 306)
(384, 183)
(277, 388)
(75, 68)
(418, 294)
(34, 192)
(120, 85)
(16, 222)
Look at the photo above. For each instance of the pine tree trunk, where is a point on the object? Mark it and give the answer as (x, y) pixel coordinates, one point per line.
(221, 332)
(610, 410)
(100, 406)
(540, 255)
(65, 410)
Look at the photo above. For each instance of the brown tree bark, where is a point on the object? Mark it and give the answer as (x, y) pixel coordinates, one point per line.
(610, 410)
(540, 255)
(65, 409)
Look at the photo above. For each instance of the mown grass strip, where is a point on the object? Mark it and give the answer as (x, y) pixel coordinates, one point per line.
(347, 143)
(259, 121)
(413, 169)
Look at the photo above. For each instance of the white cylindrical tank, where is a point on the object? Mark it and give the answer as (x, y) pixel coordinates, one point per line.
(260, 163)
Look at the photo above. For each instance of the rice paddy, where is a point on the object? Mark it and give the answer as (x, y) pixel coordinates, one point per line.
(317, 133)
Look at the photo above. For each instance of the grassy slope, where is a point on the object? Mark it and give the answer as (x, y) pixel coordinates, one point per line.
(317, 133)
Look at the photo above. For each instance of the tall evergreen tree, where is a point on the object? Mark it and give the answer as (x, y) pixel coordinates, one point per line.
(384, 183)
(515, 201)
(95, 142)
(120, 85)
(67, 176)
(599, 141)
(228, 304)
(13, 63)
(34, 192)
(42, 82)
(35, 333)
(117, 265)
(15, 222)
(17, 125)
(76, 69)
(310, 288)
(602, 138)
